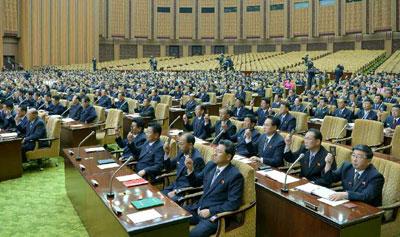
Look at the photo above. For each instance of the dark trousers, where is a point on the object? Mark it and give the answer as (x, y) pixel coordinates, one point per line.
(204, 227)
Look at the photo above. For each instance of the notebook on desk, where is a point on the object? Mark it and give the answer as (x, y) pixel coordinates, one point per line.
(135, 182)
(147, 202)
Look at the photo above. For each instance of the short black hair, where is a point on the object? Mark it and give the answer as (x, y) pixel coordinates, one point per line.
(241, 100)
(252, 118)
(190, 138)
(275, 121)
(23, 108)
(56, 97)
(317, 133)
(9, 104)
(139, 122)
(366, 149)
(156, 128)
(380, 96)
(230, 147)
(86, 99)
(267, 100)
(286, 104)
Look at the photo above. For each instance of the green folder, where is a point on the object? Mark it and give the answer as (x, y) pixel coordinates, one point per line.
(146, 203)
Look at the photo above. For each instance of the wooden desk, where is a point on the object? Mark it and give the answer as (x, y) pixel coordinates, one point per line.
(212, 109)
(10, 159)
(173, 114)
(71, 136)
(128, 122)
(285, 214)
(95, 210)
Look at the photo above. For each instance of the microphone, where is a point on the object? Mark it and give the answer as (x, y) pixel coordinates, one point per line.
(78, 156)
(123, 104)
(22, 102)
(41, 106)
(65, 111)
(111, 194)
(345, 126)
(285, 186)
(175, 120)
(215, 139)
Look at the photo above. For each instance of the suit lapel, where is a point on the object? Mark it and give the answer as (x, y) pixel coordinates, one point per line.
(360, 180)
(219, 179)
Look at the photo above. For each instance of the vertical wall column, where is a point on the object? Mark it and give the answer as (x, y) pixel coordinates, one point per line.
(117, 51)
(163, 50)
(254, 48)
(278, 47)
(208, 49)
(1, 32)
(185, 50)
(140, 50)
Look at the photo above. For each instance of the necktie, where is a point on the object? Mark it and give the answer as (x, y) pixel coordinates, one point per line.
(356, 177)
(310, 160)
(266, 143)
(365, 115)
(394, 123)
(215, 175)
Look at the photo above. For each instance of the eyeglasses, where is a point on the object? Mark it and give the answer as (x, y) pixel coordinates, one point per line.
(353, 155)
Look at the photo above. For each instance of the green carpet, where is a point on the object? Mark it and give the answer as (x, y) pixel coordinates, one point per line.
(37, 205)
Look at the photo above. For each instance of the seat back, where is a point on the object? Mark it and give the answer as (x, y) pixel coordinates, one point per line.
(332, 128)
(260, 129)
(114, 119)
(162, 114)
(173, 146)
(228, 100)
(132, 105)
(296, 143)
(91, 97)
(395, 151)
(268, 92)
(53, 130)
(153, 103)
(101, 113)
(342, 153)
(249, 96)
(213, 97)
(64, 103)
(185, 99)
(166, 99)
(238, 124)
(367, 132)
(206, 151)
(301, 121)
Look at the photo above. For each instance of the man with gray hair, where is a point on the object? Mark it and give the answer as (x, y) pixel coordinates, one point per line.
(35, 130)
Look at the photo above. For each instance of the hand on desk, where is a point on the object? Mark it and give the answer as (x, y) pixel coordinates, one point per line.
(142, 173)
(338, 196)
(171, 194)
(255, 158)
(205, 213)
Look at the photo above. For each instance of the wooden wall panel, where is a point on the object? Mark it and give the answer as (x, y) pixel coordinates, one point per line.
(230, 22)
(185, 28)
(102, 18)
(72, 25)
(276, 23)
(253, 22)
(300, 17)
(10, 16)
(54, 32)
(164, 21)
(1, 32)
(25, 42)
(382, 15)
(36, 33)
(117, 13)
(353, 17)
(45, 25)
(208, 21)
(141, 19)
(81, 31)
(64, 32)
(326, 18)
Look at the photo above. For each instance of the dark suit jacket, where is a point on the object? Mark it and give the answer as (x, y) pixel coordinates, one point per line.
(190, 106)
(261, 116)
(241, 147)
(273, 153)
(371, 115)
(178, 163)
(204, 97)
(240, 113)
(389, 122)
(75, 112)
(22, 126)
(320, 112)
(240, 95)
(317, 167)
(381, 107)
(198, 128)
(288, 123)
(105, 102)
(299, 108)
(151, 158)
(8, 122)
(346, 114)
(57, 110)
(217, 129)
(35, 130)
(156, 98)
(146, 111)
(225, 194)
(139, 140)
(88, 115)
(368, 189)
(122, 105)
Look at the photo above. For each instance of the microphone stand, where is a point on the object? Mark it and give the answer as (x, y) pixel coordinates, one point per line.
(285, 186)
(111, 194)
(78, 156)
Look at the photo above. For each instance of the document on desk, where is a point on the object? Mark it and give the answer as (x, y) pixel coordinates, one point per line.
(175, 132)
(200, 141)
(67, 120)
(128, 177)
(8, 135)
(76, 125)
(332, 203)
(108, 166)
(242, 159)
(94, 149)
(316, 190)
(135, 115)
(278, 176)
(143, 216)
(176, 109)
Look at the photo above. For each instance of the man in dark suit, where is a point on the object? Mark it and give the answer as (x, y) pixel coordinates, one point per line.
(48, 105)
(241, 94)
(313, 163)
(122, 104)
(223, 189)
(393, 120)
(268, 148)
(104, 100)
(338, 73)
(35, 130)
(7, 116)
(88, 114)
(361, 181)
(146, 110)
(21, 121)
(151, 154)
(247, 131)
(198, 125)
(277, 101)
(224, 129)
(389, 97)
(291, 97)
(190, 106)
(136, 135)
(203, 95)
(58, 108)
(298, 106)
(342, 111)
(263, 111)
(240, 111)
(321, 110)
(288, 122)
(366, 112)
(378, 103)
(154, 96)
(75, 108)
(186, 151)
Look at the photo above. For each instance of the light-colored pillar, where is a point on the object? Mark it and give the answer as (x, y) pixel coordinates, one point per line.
(358, 45)
(185, 50)
(303, 47)
(254, 48)
(140, 51)
(163, 50)
(117, 53)
(330, 47)
(230, 49)
(208, 49)
(388, 46)
(278, 48)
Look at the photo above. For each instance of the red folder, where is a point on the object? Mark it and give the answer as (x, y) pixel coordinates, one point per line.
(135, 182)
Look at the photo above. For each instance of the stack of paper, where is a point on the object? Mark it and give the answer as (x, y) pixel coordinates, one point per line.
(9, 135)
(200, 141)
(242, 159)
(67, 120)
(175, 132)
(350, 126)
(76, 125)
(128, 177)
(278, 176)
(332, 203)
(135, 115)
(316, 190)
(176, 109)
(108, 166)
(94, 149)
(143, 216)
(316, 120)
